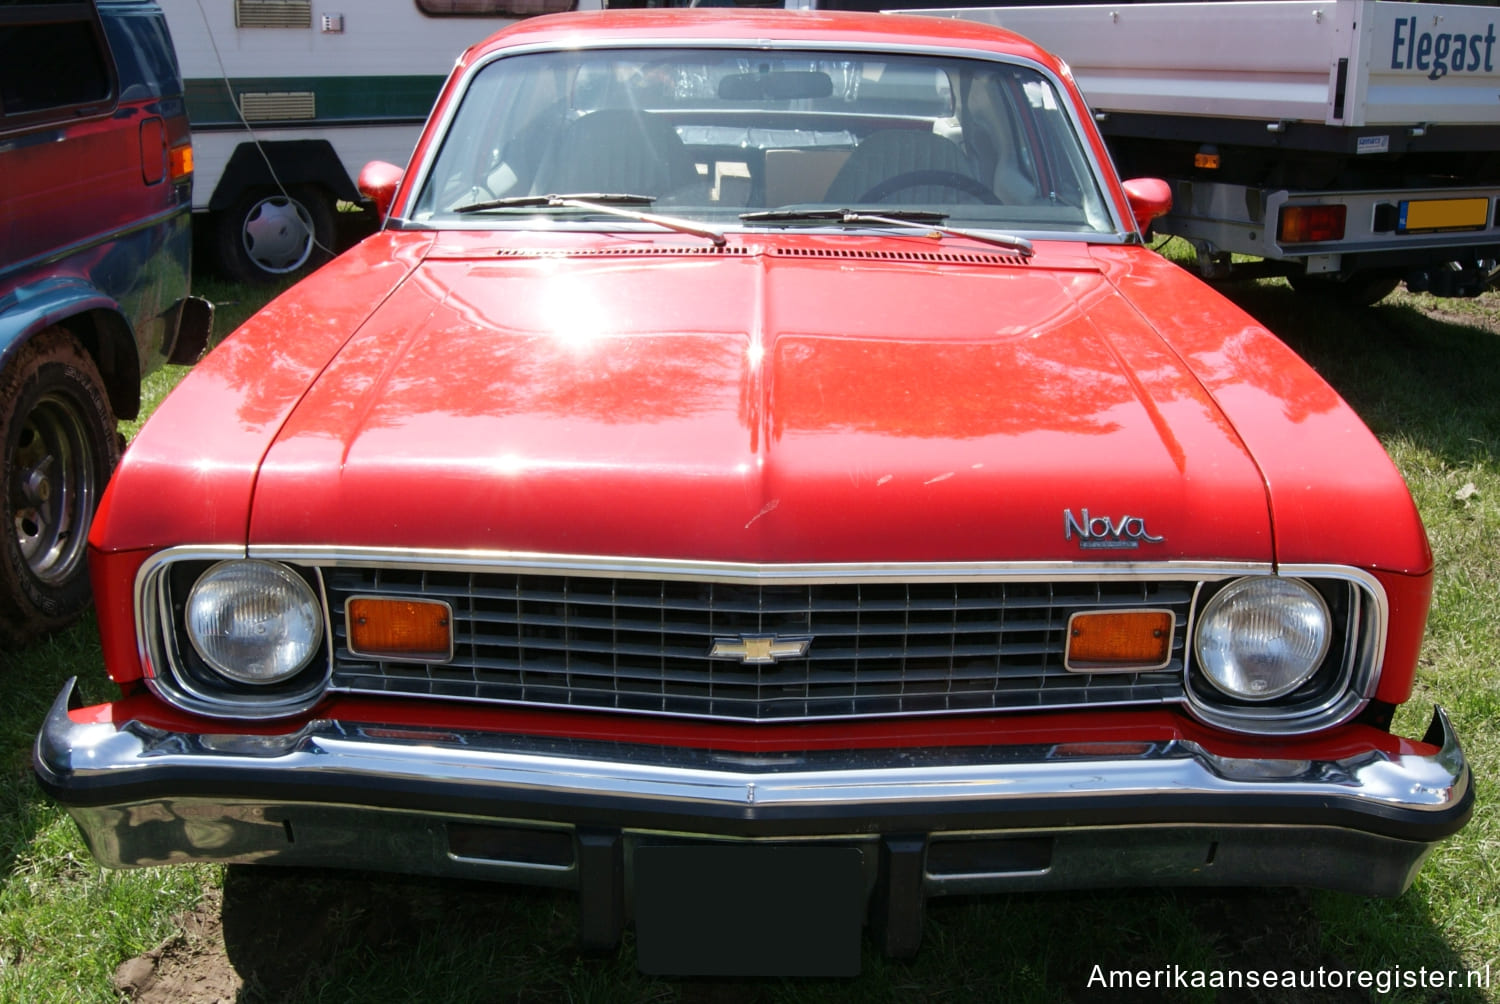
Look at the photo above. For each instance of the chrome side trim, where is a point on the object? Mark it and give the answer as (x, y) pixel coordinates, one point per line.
(751, 573)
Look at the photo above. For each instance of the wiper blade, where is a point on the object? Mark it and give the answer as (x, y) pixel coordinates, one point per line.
(931, 221)
(600, 204)
(842, 216)
(543, 201)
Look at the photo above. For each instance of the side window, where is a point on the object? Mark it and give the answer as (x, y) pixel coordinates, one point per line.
(53, 62)
(493, 8)
(143, 57)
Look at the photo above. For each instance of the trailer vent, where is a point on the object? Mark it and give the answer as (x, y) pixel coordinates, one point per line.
(278, 106)
(273, 13)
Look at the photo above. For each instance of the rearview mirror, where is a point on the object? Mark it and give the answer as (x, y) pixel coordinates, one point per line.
(779, 86)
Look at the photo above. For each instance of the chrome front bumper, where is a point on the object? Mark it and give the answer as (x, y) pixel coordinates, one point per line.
(928, 821)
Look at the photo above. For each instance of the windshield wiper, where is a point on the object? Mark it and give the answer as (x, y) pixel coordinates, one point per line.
(925, 219)
(600, 202)
(542, 201)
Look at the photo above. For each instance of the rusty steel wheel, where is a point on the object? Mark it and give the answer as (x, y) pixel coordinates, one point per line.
(57, 433)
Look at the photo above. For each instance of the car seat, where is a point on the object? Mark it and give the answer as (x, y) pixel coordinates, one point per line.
(616, 150)
(891, 165)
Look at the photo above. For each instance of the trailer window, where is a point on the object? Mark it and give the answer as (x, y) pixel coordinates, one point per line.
(493, 8)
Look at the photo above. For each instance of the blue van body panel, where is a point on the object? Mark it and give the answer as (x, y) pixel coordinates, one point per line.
(95, 268)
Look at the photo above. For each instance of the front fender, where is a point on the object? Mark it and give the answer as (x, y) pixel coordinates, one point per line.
(95, 318)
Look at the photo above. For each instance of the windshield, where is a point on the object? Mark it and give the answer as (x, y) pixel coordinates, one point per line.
(711, 135)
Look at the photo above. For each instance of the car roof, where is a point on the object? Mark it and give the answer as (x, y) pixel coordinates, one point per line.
(762, 27)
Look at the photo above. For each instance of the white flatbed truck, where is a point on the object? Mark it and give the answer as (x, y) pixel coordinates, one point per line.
(1347, 144)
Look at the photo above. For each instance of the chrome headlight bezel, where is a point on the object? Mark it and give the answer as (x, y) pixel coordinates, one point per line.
(181, 673)
(1343, 680)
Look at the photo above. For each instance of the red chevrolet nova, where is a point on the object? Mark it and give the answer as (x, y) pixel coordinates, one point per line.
(760, 479)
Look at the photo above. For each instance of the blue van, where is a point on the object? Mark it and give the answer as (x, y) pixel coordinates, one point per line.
(96, 163)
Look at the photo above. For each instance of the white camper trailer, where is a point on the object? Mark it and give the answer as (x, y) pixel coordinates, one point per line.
(288, 99)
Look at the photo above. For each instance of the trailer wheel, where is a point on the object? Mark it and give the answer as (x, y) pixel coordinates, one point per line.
(1358, 290)
(267, 235)
(59, 445)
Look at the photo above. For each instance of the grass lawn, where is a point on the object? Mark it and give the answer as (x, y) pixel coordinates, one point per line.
(1425, 375)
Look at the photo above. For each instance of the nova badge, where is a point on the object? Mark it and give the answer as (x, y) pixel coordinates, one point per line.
(1103, 533)
(759, 649)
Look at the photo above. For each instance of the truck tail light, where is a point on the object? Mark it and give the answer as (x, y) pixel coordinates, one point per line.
(403, 630)
(1120, 640)
(1311, 224)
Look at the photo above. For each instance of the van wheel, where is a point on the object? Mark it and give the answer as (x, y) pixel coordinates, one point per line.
(59, 443)
(1358, 290)
(266, 235)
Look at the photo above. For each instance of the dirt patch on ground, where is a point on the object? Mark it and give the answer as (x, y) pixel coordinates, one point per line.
(191, 967)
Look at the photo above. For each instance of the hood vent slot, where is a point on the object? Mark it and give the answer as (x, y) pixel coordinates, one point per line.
(922, 257)
(646, 252)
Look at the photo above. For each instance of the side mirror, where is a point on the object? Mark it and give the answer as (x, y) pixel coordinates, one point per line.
(1148, 198)
(378, 182)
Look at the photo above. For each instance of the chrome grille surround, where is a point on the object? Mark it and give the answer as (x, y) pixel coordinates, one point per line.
(635, 636)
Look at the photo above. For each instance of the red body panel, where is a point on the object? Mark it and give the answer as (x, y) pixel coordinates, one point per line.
(1335, 495)
(189, 475)
(569, 409)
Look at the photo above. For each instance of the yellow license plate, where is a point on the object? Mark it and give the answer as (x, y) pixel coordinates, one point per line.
(1444, 214)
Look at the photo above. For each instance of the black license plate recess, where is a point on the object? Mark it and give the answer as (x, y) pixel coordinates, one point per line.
(748, 910)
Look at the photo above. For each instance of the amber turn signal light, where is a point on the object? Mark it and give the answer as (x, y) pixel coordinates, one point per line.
(1120, 640)
(409, 630)
(1310, 224)
(180, 160)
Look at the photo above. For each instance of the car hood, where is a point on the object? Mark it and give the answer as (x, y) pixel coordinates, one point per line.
(838, 399)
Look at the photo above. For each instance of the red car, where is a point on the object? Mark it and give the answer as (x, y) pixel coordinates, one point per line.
(760, 479)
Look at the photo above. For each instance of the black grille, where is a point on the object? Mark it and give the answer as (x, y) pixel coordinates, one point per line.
(643, 645)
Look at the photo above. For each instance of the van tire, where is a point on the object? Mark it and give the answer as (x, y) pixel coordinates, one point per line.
(267, 235)
(59, 444)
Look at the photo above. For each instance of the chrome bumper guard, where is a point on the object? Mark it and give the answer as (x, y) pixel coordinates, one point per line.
(928, 821)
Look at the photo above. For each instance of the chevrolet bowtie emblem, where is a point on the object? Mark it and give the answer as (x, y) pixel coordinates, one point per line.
(759, 649)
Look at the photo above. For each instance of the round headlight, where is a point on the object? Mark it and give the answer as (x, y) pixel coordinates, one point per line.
(254, 621)
(1262, 638)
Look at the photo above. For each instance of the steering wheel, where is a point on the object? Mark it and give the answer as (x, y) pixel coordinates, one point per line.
(940, 179)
